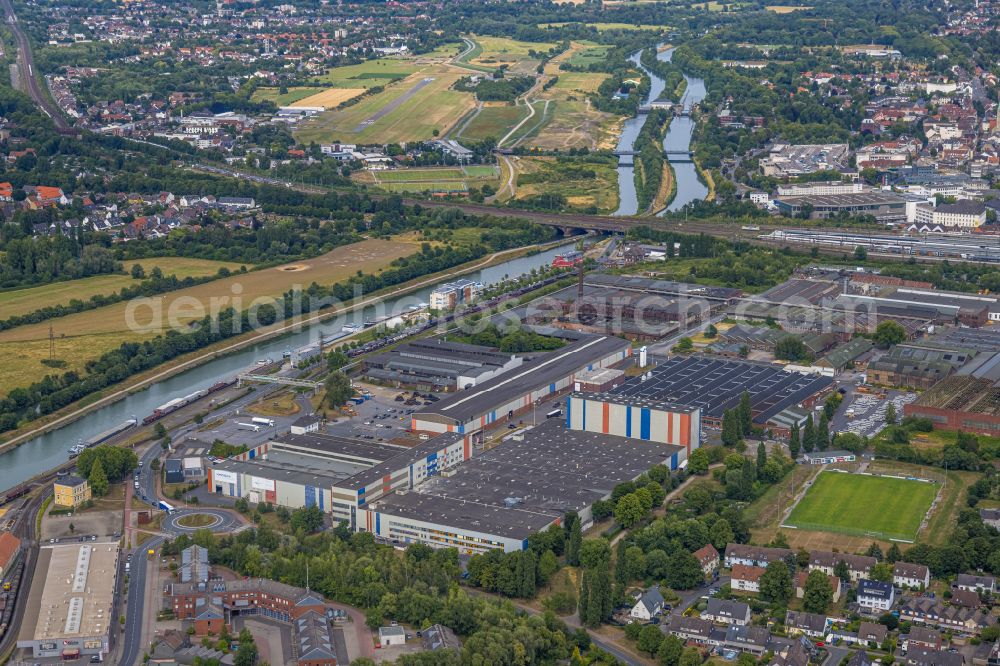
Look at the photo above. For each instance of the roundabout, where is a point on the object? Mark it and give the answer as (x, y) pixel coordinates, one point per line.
(183, 521)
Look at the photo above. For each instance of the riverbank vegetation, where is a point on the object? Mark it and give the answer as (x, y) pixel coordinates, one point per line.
(649, 158)
(26, 400)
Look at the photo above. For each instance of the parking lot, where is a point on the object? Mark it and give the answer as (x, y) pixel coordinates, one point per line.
(869, 411)
(383, 417)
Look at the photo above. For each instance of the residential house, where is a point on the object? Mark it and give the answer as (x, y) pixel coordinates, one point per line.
(792, 653)
(925, 657)
(872, 634)
(987, 654)
(858, 566)
(694, 630)
(708, 558)
(921, 638)
(649, 604)
(758, 556)
(724, 611)
(746, 578)
(966, 599)
(440, 637)
(913, 576)
(936, 614)
(237, 203)
(975, 583)
(860, 658)
(875, 595)
(800, 585)
(747, 638)
(989, 516)
(810, 624)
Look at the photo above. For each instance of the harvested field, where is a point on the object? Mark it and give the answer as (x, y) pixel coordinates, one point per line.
(86, 335)
(22, 301)
(330, 98)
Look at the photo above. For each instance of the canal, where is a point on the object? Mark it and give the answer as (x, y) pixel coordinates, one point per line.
(51, 449)
(678, 138)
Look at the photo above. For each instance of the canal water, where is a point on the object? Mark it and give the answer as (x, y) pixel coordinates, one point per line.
(50, 450)
(678, 137)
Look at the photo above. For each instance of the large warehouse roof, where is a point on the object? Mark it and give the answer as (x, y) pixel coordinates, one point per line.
(716, 385)
(77, 593)
(535, 373)
(529, 480)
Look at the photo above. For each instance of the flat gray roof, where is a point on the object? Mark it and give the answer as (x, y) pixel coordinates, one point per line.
(529, 480)
(536, 372)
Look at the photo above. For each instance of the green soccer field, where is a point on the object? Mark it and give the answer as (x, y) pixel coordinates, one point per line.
(876, 506)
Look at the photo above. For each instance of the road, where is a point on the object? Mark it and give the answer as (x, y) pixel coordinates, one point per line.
(26, 64)
(132, 639)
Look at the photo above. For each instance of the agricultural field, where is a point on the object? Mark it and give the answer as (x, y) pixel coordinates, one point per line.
(785, 9)
(330, 98)
(603, 27)
(491, 52)
(408, 110)
(369, 73)
(591, 53)
(493, 121)
(22, 301)
(861, 505)
(569, 177)
(447, 179)
(86, 335)
(294, 94)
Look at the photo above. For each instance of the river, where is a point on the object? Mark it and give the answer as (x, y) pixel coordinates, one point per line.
(678, 137)
(50, 450)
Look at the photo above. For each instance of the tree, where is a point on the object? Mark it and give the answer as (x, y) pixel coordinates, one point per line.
(138, 272)
(776, 583)
(548, 564)
(308, 518)
(583, 605)
(890, 414)
(98, 479)
(574, 542)
(823, 433)
(685, 571)
(684, 345)
(621, 563)
(860, 253)
(649, 639)
(698, 461)
(670, 651)
(628, 510)
(882, 572)
(337, 359)
(888, 333)
(761, 457)
(746, 415)
(817, 594)
(338, 389)
(730, 428)
(809, 435)
(875, 551)
(711, 331)
(690, 657)
(595, 554)
(842, 571)
(794, 445)
(721, 534)
(791, 348)
(894, 554)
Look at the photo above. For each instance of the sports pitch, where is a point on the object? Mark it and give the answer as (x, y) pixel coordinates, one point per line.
(877, 506)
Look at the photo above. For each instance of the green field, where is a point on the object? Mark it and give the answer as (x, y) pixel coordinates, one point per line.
(594, 53)
(425, 103)
(448, 179)
(23, 301)
(494, 121)
(369, 73)
(876, 506)
(275, 95)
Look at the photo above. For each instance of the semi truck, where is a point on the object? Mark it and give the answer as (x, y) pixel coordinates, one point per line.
(262, 421)
(249, 426)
